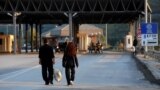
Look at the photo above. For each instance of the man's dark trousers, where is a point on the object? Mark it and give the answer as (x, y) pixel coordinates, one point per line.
(47, 68)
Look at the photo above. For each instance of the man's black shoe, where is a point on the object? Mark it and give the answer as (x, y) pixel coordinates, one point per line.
(51, 82)
(46, 83)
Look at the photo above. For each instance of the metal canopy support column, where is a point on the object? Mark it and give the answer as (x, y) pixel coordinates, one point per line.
(75, 32)
(70, 27)
(40, 37)
(36, 37)
(70, 21)
(31, 37)
(139, 30)
(26, 38)
(131, 25)
(106, 34)
(136, 28)
(150, 21)
(150, 17)
(15, 32)
(20, 38)
(146, 19)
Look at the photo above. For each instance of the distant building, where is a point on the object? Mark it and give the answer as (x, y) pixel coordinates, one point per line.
(86, 34)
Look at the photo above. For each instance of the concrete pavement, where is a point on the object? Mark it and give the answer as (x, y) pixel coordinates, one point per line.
(150, 67)
(108, 71)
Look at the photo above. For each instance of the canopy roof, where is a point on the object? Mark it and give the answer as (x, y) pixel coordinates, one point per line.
(53, 32)
(84, 11)
(64, 30)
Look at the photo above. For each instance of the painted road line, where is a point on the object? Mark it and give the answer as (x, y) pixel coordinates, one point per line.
(17, 73)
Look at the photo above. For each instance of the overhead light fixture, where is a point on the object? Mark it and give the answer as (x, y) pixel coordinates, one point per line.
(65, 14)
(9, 14)
(143, 13)
(74, 14)
(16, 14)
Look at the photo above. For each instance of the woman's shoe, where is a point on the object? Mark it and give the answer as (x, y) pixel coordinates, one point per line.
(71, 83)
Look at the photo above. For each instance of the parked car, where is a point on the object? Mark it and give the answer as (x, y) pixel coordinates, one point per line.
(57, 49)
(60, 47)
(28, 46)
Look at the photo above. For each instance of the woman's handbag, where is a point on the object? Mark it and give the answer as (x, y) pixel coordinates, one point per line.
(57, 75)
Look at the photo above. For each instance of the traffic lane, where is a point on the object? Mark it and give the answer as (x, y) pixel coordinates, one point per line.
(26, 76)
(17, 67)
(19, 70)
(12, 63)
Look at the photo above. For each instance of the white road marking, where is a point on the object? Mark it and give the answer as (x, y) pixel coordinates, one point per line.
(17, 73)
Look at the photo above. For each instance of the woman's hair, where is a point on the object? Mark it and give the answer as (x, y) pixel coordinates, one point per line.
(71, 49)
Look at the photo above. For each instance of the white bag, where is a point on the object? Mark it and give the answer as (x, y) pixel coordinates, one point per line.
(57, 75)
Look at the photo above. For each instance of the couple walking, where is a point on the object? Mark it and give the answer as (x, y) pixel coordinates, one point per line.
(47, 60)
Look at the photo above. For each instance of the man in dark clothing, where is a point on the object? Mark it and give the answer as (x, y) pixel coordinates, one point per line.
(46, 59)
(135, 42)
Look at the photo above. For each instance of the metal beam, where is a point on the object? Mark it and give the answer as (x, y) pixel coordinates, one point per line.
(43, 9)
(33, 5)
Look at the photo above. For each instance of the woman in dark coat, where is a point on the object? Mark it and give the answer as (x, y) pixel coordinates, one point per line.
(69, 62)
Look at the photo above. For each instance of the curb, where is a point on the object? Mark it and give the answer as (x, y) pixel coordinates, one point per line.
(145, 70)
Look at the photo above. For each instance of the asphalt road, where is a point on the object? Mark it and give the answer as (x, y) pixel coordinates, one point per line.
(108, 71)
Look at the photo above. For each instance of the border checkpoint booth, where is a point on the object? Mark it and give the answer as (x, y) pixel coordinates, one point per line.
(128, 42)
(6, 43)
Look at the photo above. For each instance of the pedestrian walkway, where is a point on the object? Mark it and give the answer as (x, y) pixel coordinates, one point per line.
(153, 67)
